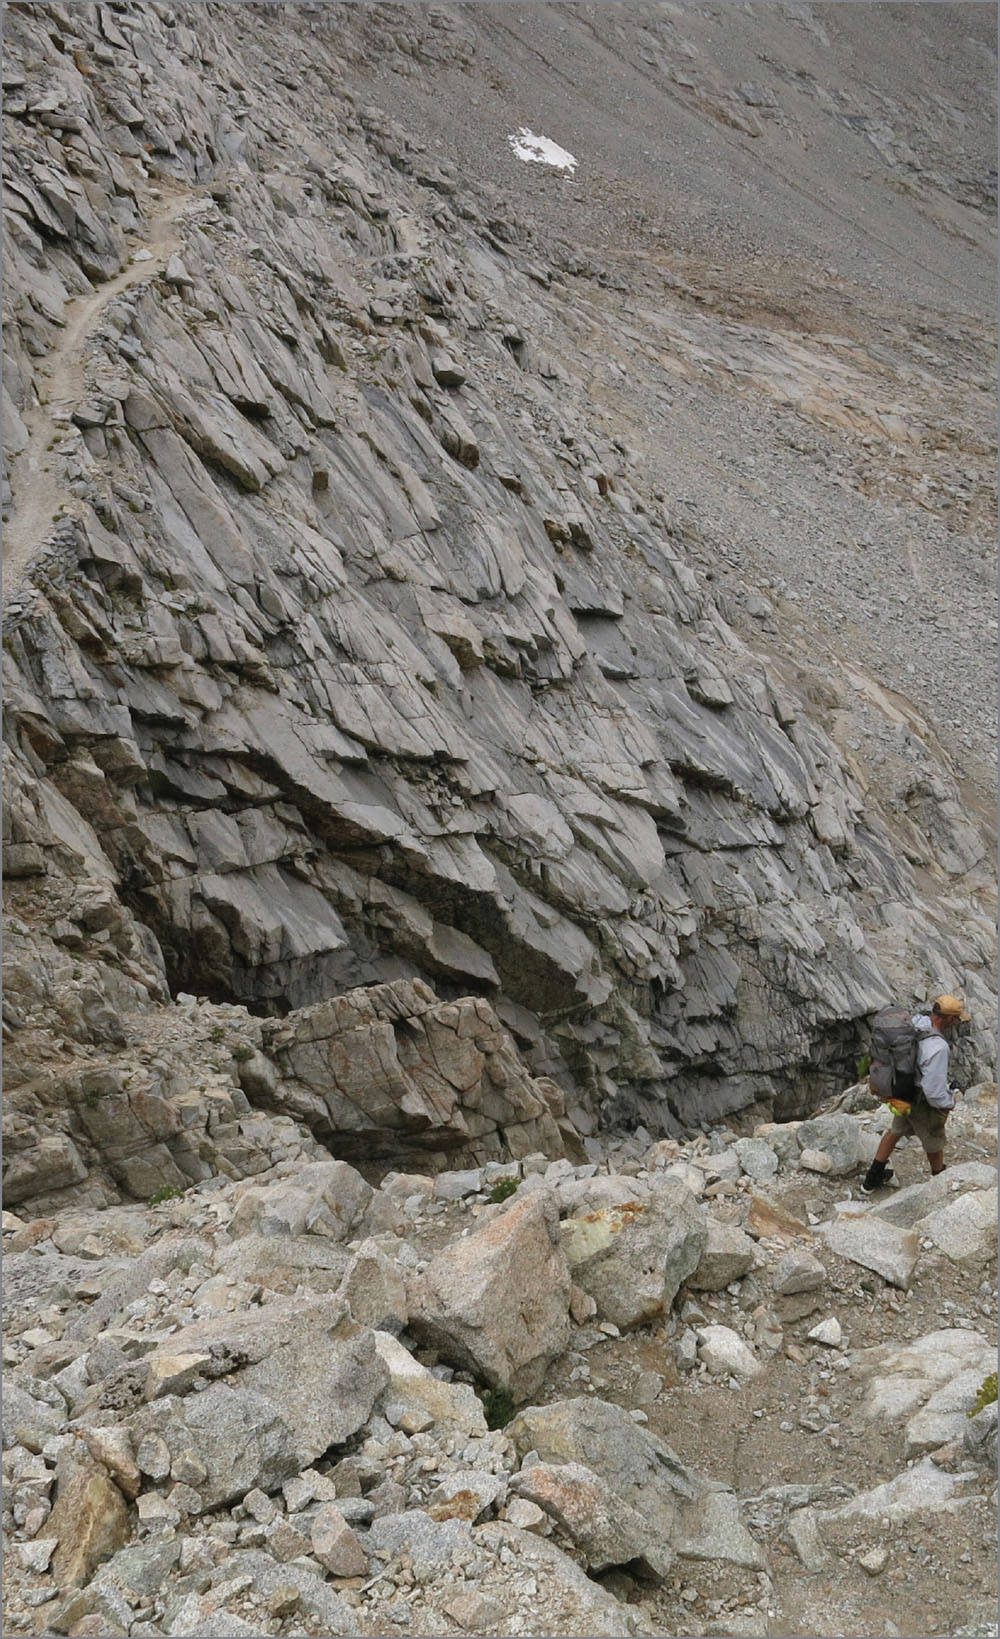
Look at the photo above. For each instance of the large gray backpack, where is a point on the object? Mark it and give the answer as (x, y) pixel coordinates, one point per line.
(894, 1071)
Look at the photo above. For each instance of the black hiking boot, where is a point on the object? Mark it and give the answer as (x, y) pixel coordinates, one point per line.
(877, 1176)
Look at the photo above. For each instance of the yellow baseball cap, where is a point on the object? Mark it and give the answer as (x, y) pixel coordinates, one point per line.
(950, 1007)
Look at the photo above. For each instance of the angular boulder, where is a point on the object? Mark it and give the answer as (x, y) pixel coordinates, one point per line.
(944, 1415)
(797, 1271)
(89, 1519)
(300, 1376)
(965, 1228)
(605, 1530)
(323, 1198)
(902, 1379)
(414, 1391)
(27, 1421)
(712, 1528)
(374, 1288)
(390, 1070)
(728, 1256)
(838, 1136)
(757, 1159)
(874, 1244)
(905, 1207)
(585, 1606)
(497, 1301)
(335, 1545)
(922, 1489)
(632, 1259)
(682, 1512)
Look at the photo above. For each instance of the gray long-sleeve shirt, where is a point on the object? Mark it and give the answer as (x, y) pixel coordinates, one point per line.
(932, 1065)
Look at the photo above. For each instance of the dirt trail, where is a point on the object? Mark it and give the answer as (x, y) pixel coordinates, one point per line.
(39, 489)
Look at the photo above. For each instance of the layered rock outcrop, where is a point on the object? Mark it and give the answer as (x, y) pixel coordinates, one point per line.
(346, 645)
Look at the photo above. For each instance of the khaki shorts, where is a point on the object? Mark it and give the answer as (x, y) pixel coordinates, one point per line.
(923, 1122)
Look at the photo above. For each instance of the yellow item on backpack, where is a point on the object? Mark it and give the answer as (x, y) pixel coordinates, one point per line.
(898, 1106)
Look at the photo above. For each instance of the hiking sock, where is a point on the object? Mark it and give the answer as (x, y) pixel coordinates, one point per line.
(878, 1173)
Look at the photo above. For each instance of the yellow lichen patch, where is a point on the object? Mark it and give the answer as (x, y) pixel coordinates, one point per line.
(583, 1238)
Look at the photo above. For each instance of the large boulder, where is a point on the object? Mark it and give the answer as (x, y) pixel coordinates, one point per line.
(905, 1207)
(573, 1602)
(89, 1518)
(392, 1070)
(840, 1138)
(632, 1259)
(682, 1512)
(374, 1288)
(322, 1198)
(27, 1421)
(944, 1414)
(874, 1244)
(902, 1378)
(922, 1489)
(634, 1465)
(757, 1159)
(964, 1229)
(497, 1301)
(728, 1256)
(300, 1376)
(280, 1263)
(604, 1528)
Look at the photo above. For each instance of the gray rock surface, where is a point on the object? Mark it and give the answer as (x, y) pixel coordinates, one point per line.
(408, 636)
(443, 727)
(727, 1256)
(298, 1378)
(498, 1301)
(890, 1252)
(632, 1259)
(236, 1438)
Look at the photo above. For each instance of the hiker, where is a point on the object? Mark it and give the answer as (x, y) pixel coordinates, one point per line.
(932, 1097)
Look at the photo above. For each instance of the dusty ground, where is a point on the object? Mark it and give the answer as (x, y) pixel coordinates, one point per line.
(797, 1423)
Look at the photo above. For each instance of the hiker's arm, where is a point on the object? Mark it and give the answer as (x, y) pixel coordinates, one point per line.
(934, 1073)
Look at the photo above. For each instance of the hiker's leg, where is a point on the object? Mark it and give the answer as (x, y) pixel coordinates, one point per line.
(887, 1144)
(931, 1135)
(878, 1173)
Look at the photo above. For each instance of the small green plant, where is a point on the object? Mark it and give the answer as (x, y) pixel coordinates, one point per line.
(498, 1405)
(169, 1192)
(864, 1065)
(503, 1188)
(986, 1396)
(241, 1052)
(216, 1033)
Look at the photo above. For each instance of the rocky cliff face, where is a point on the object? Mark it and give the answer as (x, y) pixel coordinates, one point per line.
(386, 598)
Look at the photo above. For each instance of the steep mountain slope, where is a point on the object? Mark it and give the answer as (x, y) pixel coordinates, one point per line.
(566, 590)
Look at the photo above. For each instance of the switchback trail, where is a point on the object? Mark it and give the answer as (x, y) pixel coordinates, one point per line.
(40, 491)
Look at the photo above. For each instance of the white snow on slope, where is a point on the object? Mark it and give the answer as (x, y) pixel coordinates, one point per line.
(540, 150)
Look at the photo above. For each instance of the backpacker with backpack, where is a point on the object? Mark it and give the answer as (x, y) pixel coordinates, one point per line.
(894, 1075)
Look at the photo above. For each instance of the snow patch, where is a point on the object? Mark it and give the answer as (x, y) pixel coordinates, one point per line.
(540, 150)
